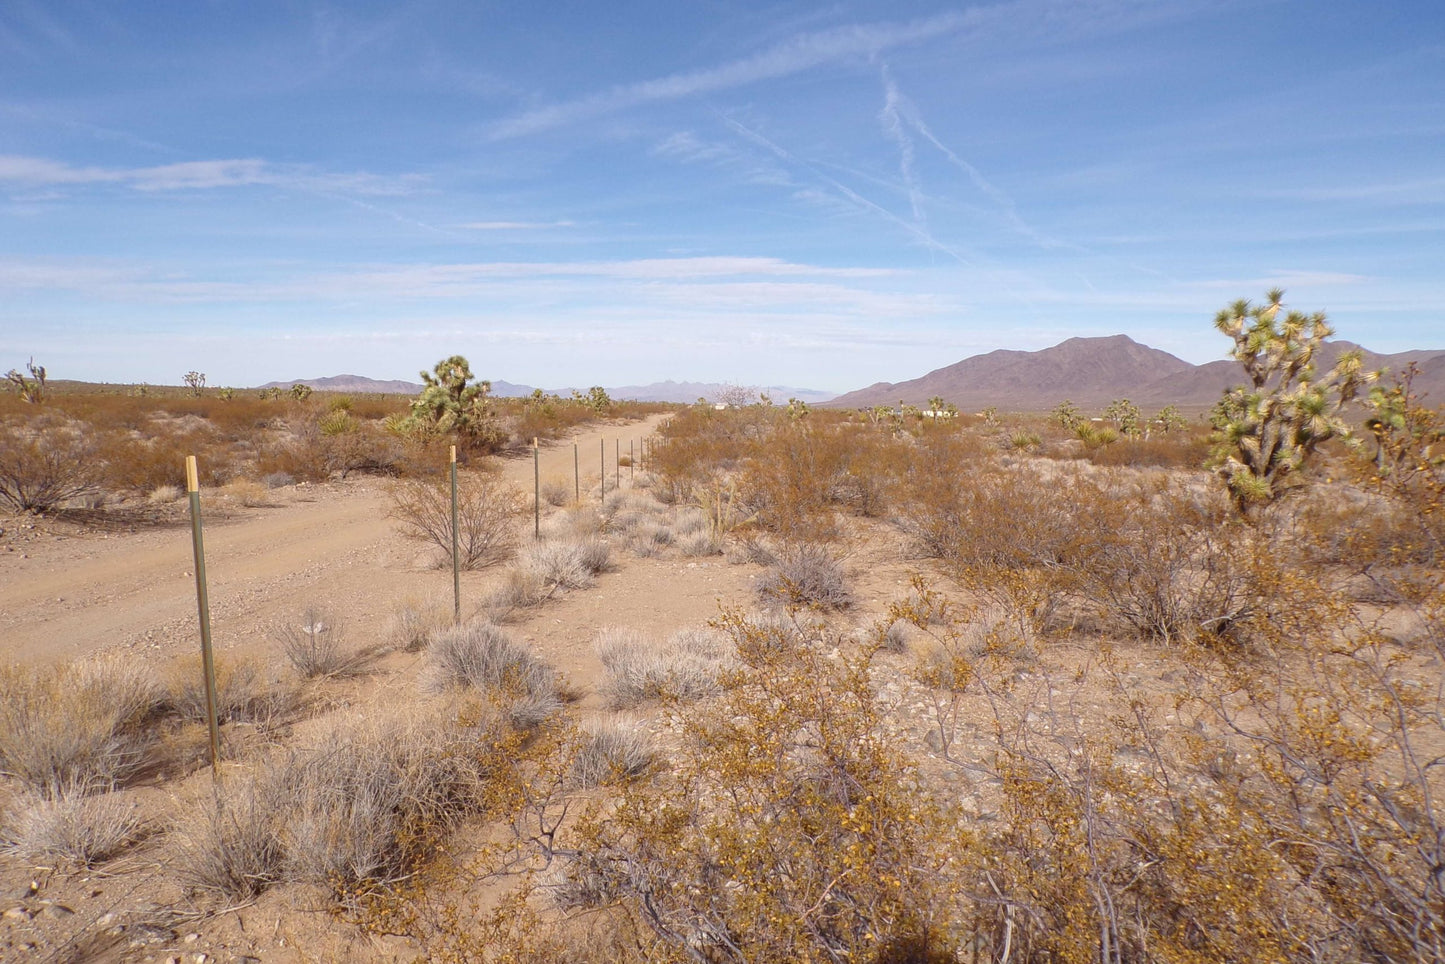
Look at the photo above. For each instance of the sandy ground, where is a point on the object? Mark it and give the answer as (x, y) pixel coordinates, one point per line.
(66, 591)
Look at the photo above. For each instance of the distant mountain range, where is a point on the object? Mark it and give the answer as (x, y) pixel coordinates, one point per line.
(668, 391)
(671, 391)
(1091, 372)
(363, 385)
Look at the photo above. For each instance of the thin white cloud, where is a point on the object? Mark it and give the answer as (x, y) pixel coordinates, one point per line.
(1424, 191)
(794, 56)
(893, 127)
(115, 280)
(197, 175)
(516, 225)
(1286, 278)
(858, 201)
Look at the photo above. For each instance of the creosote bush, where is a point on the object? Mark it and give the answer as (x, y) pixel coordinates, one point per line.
(45, 462)
(487, 514)
(786, 827)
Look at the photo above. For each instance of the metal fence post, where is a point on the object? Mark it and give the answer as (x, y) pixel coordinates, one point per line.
(203, 609)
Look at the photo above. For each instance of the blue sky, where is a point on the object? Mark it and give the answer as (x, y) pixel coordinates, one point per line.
(821, 195)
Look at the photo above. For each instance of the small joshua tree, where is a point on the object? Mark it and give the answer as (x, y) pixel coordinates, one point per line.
(1067, 415)
(195, 381)
(30, 389)
(1266, 430)
(1126, 415)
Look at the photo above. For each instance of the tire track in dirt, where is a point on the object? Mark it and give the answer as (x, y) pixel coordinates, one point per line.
(331, 546)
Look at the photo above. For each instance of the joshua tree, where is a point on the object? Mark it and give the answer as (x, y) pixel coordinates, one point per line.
(1066, 413)
(1125, 414)
(1265, 431)
(30, 389)
(452, 402)
(195, 381)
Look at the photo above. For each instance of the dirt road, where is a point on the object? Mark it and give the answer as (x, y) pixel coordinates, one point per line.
(66, 592)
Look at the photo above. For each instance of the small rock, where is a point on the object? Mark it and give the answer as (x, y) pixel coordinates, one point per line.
(143, 934)
(18, 913)
(105, 920)
(191, 938)
(248, 959)
(201, 958)
(56, 910)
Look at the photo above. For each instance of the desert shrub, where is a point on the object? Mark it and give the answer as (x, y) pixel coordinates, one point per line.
(701, 542)
(969, 510)
(144, 460)
(243, 693)
(1165, 558)
(1030, 599)
(638, 670)
(557, 492)
(371, 796)
(487, 511)
(316, 645)
(230, 843)
(74, 729)
(86, 828)
(790, 480)
(786, 827)
(519, 589)
(806, 575)
(567, 563)
(413, 622)
(1173, 450)
(479, 656)
(609, 752)
(45, 462)
(165, 495)
(362, 803)
(253, 495)
(1341, 738)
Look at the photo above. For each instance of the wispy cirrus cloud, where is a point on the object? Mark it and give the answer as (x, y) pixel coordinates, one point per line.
(201, 175)
(516, 225)
(790, 57)
(850, 42)
(417, 280)
(1421, 191)
(1284, 278)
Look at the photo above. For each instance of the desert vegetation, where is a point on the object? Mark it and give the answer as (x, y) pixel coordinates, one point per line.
(65, 446)
(1004, 688)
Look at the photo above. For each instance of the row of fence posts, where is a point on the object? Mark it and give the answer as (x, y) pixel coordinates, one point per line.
(203, 605)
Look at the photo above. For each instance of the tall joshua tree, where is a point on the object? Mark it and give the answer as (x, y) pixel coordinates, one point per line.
(1266, 430)
(452, 402)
